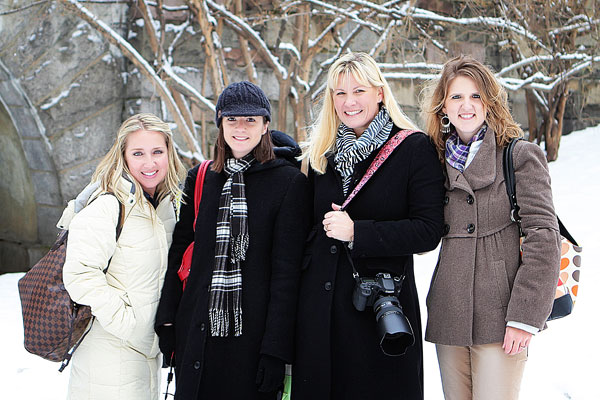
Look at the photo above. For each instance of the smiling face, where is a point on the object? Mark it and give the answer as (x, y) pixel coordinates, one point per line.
(242, 134)
(147, 158)
(356, 105)
(464, 107)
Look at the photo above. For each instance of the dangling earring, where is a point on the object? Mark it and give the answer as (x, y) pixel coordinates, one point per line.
(445, 128)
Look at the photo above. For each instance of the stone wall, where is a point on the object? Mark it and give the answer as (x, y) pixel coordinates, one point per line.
(60, 104)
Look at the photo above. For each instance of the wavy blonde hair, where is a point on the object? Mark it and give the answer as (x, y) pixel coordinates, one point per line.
(113, 165)
(322, 134)
(493, 97)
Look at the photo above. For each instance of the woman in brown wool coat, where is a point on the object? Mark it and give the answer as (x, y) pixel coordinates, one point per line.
(485, 302)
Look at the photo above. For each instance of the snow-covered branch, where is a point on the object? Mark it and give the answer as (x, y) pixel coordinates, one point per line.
(253, 37)
(134, 56)
(415, 13)
(353, 15)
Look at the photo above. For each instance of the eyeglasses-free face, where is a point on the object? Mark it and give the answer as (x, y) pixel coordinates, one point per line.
(147, 159)
(464, 107)
(356, 105)
(242, 134)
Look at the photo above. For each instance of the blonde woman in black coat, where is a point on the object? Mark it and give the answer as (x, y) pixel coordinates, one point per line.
(234, 343)
(396, 214)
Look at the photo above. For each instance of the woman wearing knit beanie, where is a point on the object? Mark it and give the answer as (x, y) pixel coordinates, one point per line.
(231, 330)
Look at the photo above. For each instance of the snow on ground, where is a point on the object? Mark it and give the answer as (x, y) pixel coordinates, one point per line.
(562, 360)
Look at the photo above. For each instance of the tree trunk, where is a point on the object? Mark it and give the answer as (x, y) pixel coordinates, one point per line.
(553, 140)
(531, 117)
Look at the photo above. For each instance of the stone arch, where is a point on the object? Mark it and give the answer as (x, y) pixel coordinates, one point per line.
(30, 197)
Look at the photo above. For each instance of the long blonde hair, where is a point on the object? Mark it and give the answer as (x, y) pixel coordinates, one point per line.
(113, 165)
(322, 134)
(493, 97)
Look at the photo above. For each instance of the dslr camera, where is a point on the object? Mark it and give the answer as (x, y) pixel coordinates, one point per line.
(381, 293)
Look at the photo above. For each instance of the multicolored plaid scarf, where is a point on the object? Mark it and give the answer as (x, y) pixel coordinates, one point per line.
(457, 152)
(225, 301)
(351, 150)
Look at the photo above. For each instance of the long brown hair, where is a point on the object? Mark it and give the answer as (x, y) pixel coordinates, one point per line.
(493, 96)
(263, 151)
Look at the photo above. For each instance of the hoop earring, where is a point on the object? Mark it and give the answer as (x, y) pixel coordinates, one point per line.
(445, 128)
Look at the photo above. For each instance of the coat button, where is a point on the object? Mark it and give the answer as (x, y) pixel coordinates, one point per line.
(202, 327)
(470, 199)
(197, 365)
(446, 229)
(470, 228)
(327, 286)
(446, 200)
(333, 249)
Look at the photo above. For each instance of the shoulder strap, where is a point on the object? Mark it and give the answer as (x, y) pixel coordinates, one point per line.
(509, 180)
(383, 154)
(198, 187)
(121, 219)
(120, 224)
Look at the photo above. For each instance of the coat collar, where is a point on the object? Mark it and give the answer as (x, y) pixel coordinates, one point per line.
(482, 170)
(360, 168)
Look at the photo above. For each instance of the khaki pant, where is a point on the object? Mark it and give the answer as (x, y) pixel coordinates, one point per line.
(481, 372)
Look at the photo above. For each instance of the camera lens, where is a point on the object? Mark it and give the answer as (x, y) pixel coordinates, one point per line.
(395, 332)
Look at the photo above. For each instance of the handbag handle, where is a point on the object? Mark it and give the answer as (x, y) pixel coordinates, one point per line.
(511, 190)
(198, 188)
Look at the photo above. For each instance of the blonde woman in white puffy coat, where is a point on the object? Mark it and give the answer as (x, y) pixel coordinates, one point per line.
(119, 358)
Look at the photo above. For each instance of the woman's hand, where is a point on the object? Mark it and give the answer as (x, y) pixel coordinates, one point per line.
(515, 340)
(338, 225)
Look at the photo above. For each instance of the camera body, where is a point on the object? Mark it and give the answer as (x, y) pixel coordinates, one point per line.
(368, 290)
(381, 293)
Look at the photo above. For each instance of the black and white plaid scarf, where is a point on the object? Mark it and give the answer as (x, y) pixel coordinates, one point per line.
(350, 150)
(225, 302)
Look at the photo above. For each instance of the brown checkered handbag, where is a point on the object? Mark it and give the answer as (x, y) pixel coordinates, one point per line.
(53, 324)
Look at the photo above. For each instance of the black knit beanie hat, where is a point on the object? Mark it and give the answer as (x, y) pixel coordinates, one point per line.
(242, 99)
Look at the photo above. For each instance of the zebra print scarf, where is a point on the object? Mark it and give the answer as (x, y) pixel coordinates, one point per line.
(351, 150)
(225, 299)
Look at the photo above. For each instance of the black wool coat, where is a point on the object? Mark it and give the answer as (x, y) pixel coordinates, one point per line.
(399, 212)
(278, 213)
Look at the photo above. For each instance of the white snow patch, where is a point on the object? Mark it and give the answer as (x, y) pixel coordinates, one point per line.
(140, 22)
(94, 39)
(58, 98)
(175, 28)
(290, 47)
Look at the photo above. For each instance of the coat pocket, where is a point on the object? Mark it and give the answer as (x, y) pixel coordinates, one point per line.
(308, 249)
(501, 282)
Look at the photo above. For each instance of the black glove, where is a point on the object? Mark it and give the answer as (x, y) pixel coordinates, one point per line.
(271, 371)
(166, 343)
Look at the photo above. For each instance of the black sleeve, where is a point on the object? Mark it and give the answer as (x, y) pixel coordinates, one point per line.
(183, 235)
(422, 229)
(289, 235)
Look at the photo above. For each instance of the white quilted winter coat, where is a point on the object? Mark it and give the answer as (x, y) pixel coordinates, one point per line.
(119, 358)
